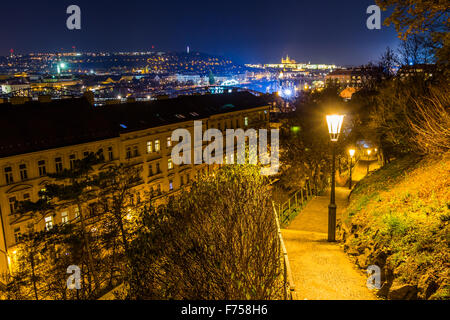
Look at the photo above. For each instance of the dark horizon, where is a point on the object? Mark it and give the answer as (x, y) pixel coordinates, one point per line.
(319, 32)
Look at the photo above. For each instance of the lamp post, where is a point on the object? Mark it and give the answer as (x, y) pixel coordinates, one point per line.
(352, 154)
(369, 152)
(334, 128)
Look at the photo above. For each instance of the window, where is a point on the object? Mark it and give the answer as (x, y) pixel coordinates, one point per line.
(149, 147)
(26, 197)
(136, 151)
(48, 223)
(188, 178)
(246, 121)
(64, 217)
(17, 234)
(42, 168)
(157, 146)
(77, 212)
(158, 190)
(128, 152)
(181, 180)
(170, 185)
(100, 154)
(86, 154)
(9, 175)
(170, 164)
(110, 154)
(72, 159)
(158, 168)
(237, 123)
(23, 172)
(150, 170)
(13, 205)
(43, 191)
(169, 142)
(58, 165)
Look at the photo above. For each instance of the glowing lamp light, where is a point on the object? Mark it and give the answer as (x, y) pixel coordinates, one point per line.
(288, 92)
(369, 152)
(352, 152)
(335, 123)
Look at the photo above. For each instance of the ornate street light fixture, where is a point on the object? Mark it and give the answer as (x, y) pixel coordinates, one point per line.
(334, 128)
(352, 153)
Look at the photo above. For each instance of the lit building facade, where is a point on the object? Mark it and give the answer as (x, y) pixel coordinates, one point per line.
(38, 139)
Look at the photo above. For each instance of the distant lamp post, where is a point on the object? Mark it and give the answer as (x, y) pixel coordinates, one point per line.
(352, 153)
(369, 152)
(334, 128)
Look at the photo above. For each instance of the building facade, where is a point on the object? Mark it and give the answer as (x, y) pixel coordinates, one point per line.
(134, 133)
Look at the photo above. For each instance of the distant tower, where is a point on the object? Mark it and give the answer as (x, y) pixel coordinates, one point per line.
(188, 50)
(11, 53)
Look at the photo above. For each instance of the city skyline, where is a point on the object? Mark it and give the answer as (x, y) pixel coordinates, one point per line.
(253, 34)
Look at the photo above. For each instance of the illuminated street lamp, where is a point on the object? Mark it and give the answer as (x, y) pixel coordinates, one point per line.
(352, 154)
(334, 128)
(369, 152)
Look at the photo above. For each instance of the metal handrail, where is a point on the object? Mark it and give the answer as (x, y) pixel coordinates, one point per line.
(289, 286)
(299, 199)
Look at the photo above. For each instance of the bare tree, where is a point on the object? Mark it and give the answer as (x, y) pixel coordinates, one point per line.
(217, 240)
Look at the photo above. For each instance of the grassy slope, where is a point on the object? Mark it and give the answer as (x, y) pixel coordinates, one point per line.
(402, 212)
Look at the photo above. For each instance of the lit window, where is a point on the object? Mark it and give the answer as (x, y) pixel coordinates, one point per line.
(170, 164)
(49, 223)
(64, 217)
(170, 185)
(149, 147)
(77, 212)
(157, 146)
(169, 142)
(246, 121)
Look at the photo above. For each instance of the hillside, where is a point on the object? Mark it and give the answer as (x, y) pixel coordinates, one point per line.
(398, 219)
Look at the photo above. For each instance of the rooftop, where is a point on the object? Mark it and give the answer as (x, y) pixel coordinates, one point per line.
(38, 126)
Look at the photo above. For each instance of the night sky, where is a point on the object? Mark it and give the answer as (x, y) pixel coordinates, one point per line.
(317, 31)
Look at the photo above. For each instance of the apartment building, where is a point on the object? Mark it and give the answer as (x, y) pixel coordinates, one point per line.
(41, 138)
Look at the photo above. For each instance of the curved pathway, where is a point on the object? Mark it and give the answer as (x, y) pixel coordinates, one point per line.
(321, 270)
